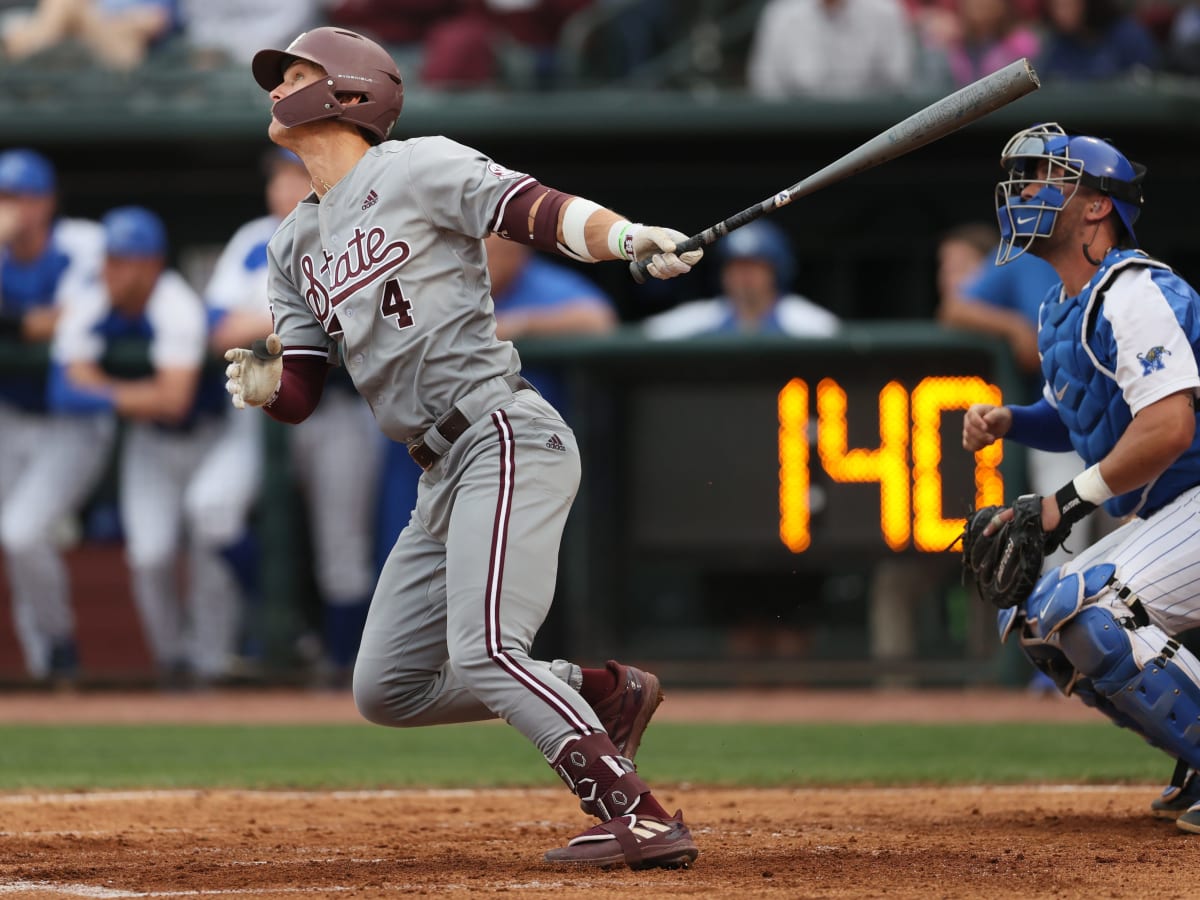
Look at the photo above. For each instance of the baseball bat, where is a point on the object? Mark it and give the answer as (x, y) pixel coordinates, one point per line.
(935, 121)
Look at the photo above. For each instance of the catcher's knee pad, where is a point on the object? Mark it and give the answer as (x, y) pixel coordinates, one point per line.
(1058, 598)
(1146, 676)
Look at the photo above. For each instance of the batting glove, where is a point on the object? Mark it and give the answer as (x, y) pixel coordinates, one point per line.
(659, 244)
(254, 374)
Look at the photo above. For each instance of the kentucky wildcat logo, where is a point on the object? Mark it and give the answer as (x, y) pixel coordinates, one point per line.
(1152, 359)
(368, 257)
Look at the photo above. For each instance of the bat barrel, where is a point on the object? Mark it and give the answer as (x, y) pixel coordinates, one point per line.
(935, 121)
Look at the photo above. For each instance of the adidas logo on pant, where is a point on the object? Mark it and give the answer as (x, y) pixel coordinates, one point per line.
(555, 443)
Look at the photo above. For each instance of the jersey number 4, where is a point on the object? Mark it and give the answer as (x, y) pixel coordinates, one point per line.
(396, 304)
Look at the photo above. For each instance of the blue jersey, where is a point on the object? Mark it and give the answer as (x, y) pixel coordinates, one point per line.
(1130, 338)
(70, 262)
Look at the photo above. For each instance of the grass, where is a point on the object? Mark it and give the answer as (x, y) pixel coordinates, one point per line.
(361, 756)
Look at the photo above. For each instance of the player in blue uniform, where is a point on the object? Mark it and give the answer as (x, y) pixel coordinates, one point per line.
(48, 463)
(174, 419)
(341, 500)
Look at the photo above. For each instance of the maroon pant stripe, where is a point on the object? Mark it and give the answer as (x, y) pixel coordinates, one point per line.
(495, 581)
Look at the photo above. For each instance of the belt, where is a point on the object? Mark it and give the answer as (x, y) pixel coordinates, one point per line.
(452, 425)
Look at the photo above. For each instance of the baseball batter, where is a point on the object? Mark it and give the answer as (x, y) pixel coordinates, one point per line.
(48, 463)
(385, 262)
(1119, 341)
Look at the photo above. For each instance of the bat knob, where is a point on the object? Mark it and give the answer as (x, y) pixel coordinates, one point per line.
(270, 348)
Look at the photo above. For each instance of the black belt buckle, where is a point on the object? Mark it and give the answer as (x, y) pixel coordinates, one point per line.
(422, 455)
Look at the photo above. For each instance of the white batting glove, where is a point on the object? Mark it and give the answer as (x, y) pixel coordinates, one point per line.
(659, 244)
(254, 374)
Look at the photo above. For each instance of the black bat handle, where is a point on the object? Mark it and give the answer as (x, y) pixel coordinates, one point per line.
(639, 269)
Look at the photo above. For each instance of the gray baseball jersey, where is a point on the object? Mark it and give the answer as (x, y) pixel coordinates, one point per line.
(389, 268)
(390, 265)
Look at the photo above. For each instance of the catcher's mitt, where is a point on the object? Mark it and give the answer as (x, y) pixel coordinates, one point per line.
(1005, 565)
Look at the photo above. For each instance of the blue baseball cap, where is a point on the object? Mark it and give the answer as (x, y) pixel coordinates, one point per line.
(760, 240)
(133, 231)
(25, 171)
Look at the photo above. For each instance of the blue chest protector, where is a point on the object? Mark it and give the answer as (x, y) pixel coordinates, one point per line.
(1079, 362)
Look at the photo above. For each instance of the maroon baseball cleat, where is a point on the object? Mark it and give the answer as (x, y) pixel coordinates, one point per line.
(626, 712)
(641, 842)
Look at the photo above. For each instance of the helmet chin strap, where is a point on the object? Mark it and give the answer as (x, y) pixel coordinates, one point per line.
(1087, 245)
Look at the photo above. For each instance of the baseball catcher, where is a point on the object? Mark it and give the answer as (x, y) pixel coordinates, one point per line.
(1119, 344)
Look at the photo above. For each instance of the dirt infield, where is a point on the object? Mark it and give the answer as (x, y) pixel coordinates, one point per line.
(1067, 842)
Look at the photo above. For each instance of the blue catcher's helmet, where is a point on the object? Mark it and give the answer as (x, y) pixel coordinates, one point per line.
(1070, 160)
(761, 240)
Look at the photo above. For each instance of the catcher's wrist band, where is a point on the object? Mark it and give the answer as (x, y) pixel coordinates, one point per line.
(1080, 496)
(1091, 486)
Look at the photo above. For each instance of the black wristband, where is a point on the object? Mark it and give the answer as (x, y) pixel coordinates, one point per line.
(1071, 507)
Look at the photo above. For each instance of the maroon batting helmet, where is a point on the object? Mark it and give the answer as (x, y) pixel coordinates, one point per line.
(354, 64)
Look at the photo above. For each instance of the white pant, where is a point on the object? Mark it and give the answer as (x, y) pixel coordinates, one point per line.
(1159, 559)
(336, 455)
(48, 466)
(158, 469)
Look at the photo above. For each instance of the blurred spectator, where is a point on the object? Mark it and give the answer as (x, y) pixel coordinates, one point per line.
(533, 297)
(465, 43)
(1183, 41)
(172, 423)
(985, 36)
(394, 22)
(757, 268)
(340, 498)
(48, 464)
(1093, 40)
(975, 294)
(117, 33)
(536, 297)
(831, 48)
(224, 31)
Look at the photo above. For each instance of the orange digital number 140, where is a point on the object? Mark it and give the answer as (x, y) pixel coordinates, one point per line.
(910, 497)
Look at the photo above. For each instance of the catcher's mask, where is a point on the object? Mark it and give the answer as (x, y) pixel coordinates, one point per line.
(1070, 161)
(354, 65)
